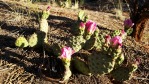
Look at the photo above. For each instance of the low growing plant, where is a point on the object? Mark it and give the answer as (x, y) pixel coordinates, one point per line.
(40, 36)
(66, 53)
(107, 57)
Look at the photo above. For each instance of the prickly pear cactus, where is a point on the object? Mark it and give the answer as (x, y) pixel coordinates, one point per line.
(77, 42)
(43, 25)
(121, 74)
(93, 42)
(100, 63)
(89, 45)
(82, 16)
(129, 31)
(81, 64)
(68, 3)
(45, 14)
(37, 39)
(133, 68)
(21, 42)
(116, 33)
(33, 40)
(119, 60)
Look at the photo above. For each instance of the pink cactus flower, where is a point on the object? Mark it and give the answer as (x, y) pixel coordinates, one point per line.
(128, 23)
(91, 26)
(82, 25)
(66, 53)
(107, 39)
(48, 8)
(115, 41)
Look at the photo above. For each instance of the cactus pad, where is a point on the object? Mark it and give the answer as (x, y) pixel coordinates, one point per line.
(80, 63)
(21, 42)
(76, 42)
(129, 31)
(43, 24)
(116, 33)
(119, 60)
(100, 63)
(94, 41)
(82, 16)
(33, 40)
(121, 74)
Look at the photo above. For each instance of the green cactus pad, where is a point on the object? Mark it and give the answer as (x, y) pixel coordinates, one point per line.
(129, 31)
(121, 74)
(120, 60)
(76, 42)
(43, 25)
(100, 63)
(116, 33)
(68, 3)
(33, 40)
(90, 43)
(80, 62)
(133, 67)
(21, 42)
(45, 14)
(82, 16)
(93, 42)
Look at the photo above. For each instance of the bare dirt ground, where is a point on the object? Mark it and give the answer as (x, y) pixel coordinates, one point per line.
(21, 66)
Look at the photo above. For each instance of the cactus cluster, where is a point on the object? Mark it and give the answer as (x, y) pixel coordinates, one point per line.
(87, 35)
(103, 61)
(40, 36)
(97, 63)
(106, 59)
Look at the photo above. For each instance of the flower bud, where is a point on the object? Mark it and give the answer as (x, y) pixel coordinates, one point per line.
(116, 41)
(82, 25)
(90, 26)
(107, 39)
(48, 8)
(66, 53)
(128, 23)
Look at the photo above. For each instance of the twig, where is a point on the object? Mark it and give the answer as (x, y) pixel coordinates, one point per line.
(141, 78)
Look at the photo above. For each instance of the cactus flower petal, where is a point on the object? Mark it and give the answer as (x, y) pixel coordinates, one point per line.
(115, 41)
(66, 53)
(91, 26)
(82, 25)
(128, 23)
(48, 8)
(107, 39)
